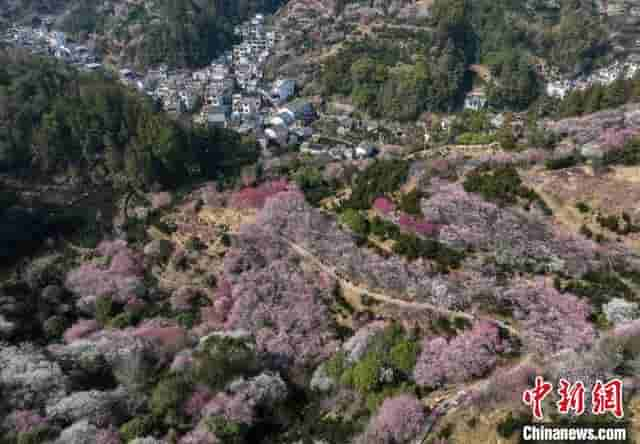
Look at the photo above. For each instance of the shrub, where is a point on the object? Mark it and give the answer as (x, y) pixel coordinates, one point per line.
(410, 202)
(336, 366)
(559, 163)
(138, 427)
(611, 222)
(404, 355)
(502, 186)
(364, 376)
(583, 207)
(230, 432)
(223, 359)
(599, 287)
(475, 139)
(37, 435)
(586, 231)
(383, 228)
(123, 320)
(54, 327)
(356, 221)
(167, 399)
(413, 247)
(104, 309)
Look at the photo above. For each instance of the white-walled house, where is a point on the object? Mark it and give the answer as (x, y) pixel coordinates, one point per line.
(283, 89)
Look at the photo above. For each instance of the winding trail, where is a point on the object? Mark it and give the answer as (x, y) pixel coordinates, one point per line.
(381, 297)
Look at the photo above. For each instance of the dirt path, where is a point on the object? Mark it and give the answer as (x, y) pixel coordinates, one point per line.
(381, 297)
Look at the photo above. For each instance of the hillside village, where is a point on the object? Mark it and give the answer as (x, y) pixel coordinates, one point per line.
(233, 91)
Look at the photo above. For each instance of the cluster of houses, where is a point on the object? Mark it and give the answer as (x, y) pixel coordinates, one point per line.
(604, 76)
(44, 41)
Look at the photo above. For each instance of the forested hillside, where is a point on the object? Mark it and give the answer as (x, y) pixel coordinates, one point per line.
(55, 120)
(176, 32)
(390, 68)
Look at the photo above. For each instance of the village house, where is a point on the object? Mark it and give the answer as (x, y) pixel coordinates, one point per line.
(282, 90)
(475, 100)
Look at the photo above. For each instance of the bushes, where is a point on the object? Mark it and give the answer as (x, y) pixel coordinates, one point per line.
(404, 354)
(356, 221)
(413, 247)
(502, 186)
(599, 287)
(410, 202)
(384, 369)
(167, 399)
(622, 226)
(583, 207)
(222, 359)
(138, 427)
(475, 139)
(560, 163)
(104, 309)
(383, 229)
(37, 435)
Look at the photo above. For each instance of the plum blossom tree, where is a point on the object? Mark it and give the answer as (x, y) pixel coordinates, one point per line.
(170, 337)
(615, 138)
(471, 354)
(108, 436)
(117, 273)
(399, 420)
(198, 400)
(550, 321)
(255, 197)
(505, 385)
(81, 329)
(265, 291)
(27, 420)
(384, 206)
(417, 225)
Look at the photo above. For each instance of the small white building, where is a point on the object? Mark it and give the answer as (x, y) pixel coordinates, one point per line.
(475, 100)
(283, 89)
